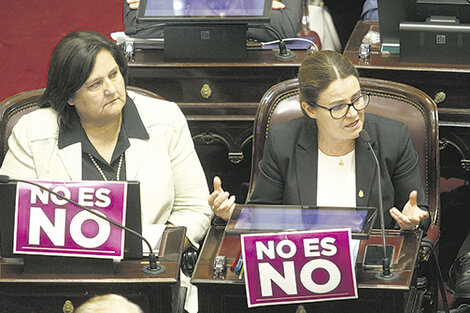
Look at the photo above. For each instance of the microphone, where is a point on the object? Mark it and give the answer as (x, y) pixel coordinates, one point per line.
(152, 268)
(283, 52)
(385, 274)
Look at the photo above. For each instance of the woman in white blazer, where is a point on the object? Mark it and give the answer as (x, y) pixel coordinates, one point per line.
(90, 128)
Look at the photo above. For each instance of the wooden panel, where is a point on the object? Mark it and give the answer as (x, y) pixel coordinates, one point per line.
(39, 293)
(227, 294)
(219, 100)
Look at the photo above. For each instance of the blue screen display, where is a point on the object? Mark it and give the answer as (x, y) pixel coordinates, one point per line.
(301, 219)
(205, 8)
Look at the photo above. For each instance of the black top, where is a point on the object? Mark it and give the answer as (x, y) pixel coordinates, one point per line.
(131, 127)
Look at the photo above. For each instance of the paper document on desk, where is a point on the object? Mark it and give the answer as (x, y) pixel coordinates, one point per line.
(153, 233)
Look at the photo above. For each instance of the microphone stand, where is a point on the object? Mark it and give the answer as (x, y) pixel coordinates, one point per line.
(153, 268)
(283, 52)
(385, 274)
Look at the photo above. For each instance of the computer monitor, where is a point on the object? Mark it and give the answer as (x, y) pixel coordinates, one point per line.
(256, 218)
(456, 8)
(132, 243)
(391, 13)
(205, 11)
(204, 29)
(426, 31)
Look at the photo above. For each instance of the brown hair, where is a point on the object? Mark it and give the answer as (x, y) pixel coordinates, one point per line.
(70, 66)
(319, 70)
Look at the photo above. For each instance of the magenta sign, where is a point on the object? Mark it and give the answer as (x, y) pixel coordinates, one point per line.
(48, 225)
(294, 267)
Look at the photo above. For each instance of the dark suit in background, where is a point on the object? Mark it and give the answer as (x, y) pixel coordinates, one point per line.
(288, 171)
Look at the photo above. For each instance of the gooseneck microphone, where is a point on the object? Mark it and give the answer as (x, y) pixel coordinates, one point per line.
(385, 274)
(283, 52)
(152, 268)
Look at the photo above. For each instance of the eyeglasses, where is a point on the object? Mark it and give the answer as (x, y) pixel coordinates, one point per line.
(340, 110)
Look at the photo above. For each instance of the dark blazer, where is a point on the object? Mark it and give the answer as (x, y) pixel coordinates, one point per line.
(286, 22)
(288, 171)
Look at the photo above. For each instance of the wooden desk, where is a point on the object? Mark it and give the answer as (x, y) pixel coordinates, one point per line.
(447, 84)
(228, 294)
(219, 100)
(38, 293)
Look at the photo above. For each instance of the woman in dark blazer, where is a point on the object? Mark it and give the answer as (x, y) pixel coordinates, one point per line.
(322, 158)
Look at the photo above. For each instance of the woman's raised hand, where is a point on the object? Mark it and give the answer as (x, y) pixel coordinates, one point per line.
(221, 202)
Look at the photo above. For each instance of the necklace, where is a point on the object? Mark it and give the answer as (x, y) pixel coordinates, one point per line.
(118, 172)
(341, 163)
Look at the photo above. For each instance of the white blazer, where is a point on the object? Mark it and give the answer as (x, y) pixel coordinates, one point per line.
(173, 184)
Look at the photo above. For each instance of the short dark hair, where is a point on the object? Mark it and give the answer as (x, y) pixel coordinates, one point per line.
(70, 66)
(319, 70)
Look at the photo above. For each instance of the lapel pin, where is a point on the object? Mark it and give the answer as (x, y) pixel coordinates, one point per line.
(361, 193)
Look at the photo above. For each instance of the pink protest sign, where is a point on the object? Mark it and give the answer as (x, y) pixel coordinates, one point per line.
(48, 225)
(294, 267)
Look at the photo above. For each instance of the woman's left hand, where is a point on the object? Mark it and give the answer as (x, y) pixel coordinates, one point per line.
(411, 214)
(133, 4)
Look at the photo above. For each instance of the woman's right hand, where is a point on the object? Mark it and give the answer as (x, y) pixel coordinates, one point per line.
(220, 201)
(278, 5)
